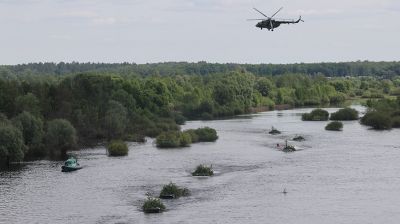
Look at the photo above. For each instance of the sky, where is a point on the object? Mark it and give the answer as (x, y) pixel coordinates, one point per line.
(148, 31)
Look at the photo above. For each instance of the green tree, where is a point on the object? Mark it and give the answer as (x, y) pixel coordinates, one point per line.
(28, 102)
(264, 86)
(115, 120)
(12, 148)
(60, 137)
(32, 131)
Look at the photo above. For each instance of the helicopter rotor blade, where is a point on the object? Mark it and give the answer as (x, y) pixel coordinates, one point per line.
(254, 19)
(261, 12)
(277, 12)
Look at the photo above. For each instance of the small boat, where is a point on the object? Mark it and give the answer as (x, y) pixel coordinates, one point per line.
(70, 164)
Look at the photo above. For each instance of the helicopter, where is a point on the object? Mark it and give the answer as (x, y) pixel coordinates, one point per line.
(270, 23)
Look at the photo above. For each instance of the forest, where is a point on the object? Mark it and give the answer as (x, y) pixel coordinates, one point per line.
(47, 109)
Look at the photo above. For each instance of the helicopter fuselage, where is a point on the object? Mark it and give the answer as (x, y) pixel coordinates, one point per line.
(268, 24)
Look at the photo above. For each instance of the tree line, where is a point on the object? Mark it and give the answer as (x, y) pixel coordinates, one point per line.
(45, 115)
(340, 69)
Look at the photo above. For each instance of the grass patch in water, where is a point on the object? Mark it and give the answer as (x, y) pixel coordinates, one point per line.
(345, 114)
(117, 148)
(203, 170)
(334, 126)
(171, 191)
(316, 115)
(153, 205)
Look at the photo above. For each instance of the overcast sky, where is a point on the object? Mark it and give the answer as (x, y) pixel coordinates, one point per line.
(145, 31)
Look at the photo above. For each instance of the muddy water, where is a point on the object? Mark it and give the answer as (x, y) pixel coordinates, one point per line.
(336, 177)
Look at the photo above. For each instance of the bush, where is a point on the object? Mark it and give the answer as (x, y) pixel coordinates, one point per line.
(206, 134)
(172, 190)
(202, 170)
(377, 120)
(179, 118)
(185, 139)
(173, 139)
(153, 205)
(117, 148)
(334, 126)
(316, 115)
(194, 137)
(135, 138)
(396, 122)
(168, 140)
(345, 114)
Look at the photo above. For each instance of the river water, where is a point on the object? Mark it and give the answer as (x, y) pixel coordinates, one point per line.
(336, 177)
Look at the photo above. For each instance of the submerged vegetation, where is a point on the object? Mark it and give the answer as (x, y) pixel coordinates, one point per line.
(203, 170)
(117, 148)
(316, 115)
(345, 114)
(153, 205)
(382, 114)
(174, 139)
(334, 126)
(171, 191)
(57, 107)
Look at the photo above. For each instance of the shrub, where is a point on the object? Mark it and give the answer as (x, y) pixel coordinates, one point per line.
(337, 98)
(377, 120)
(135, 138)
(173, 139)
(117, 148)
(185, 139)
(168, 140)
(396, 122)
(202, 170)
(345, 114)
(206, 134)
(316, 115)
(194, 137)
(174, 191)
(153, 205)
(334, 126)
(179, 118)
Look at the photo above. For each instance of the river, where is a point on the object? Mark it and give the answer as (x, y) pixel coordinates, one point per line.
(351, 176)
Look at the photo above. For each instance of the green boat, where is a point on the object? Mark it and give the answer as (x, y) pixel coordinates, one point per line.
(70, 164)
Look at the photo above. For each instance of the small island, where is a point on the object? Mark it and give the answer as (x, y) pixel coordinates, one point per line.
(117, 148)
(203, 170)
(334, 126)
(345, 114)
(172, 191)
(316, 115)
(153, 205)
(175, 139)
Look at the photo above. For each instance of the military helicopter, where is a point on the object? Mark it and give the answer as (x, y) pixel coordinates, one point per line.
(271, 23)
